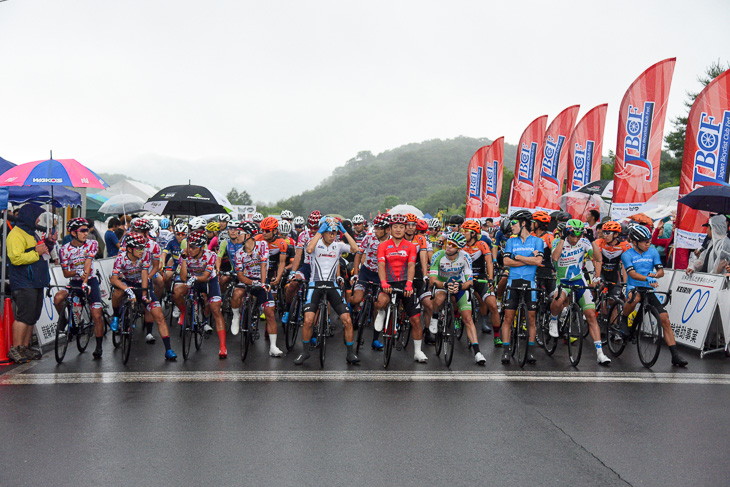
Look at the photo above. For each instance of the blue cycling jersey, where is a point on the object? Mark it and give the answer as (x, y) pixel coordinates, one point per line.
(500, 239)
(485, 238)
(515, 246)
(641, 263)
(173, 248)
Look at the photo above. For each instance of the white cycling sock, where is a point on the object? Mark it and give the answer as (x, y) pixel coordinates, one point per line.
(379, 320)
(434, 325)
(416, 346)
(272, 344)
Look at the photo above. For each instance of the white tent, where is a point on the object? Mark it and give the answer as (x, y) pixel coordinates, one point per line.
(128, 186)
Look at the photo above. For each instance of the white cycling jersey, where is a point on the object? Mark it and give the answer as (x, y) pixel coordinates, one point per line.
(324, 260)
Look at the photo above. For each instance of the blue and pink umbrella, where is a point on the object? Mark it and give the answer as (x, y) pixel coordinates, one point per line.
(63, 172)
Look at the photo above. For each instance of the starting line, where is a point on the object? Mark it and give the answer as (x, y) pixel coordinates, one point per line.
(19, 378)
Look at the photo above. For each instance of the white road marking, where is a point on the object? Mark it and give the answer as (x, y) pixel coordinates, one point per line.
(362, 376)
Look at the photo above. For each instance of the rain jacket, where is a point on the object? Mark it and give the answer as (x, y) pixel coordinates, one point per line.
(717, 254)
(26, 268)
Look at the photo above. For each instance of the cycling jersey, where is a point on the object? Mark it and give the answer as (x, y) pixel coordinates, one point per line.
(325, 259)
(569, 265)
(164, 237)
(369, 246)
(302, 242)
(73, 258)
(396, 258)
(611, 254)
(547, 261)
(515, 246)
(227, 251)
(130, 271)
(154, 251)
(478, 252)
(359, 237)
(421, 244)
(443, 268)
(174, 249)
(205, 262)
(643, 264)
(278, 246)
(250, 263)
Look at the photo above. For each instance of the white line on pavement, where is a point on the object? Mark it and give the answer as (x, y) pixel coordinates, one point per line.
(363, 376)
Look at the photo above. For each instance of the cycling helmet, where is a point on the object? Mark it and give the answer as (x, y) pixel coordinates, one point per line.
(76, 223)
(284, 227)
(505, 226)
(141, 225)
(541, 217)
(357, 219)
(234, 225)
(639, 233)
(472, 225)
(181, 228)
(224, 217)
(398, 219)
(456, 220)
(269, 224)
(381, 221)
(165, 223)
(257, 217)
(434, 224)
(213, 227)
(521, 215)
(421, 225)
(612, 226)
(135, 241)
(314, 218)
(298, 221)
(249, 228)
(575, 227)
(197, 239)
(197, 223)
(178, 220)
(411, 218)
(457, 239)
(286, 215)
(155, 230)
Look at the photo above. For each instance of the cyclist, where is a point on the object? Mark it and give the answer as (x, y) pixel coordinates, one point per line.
(545, 276)
(422, 229)
(500, 242)
(171, 257)
(164, 234)
(251, 263)
(197, 223)
(143, 226)
(366, 270)
(325, 255)
(298, 224)
(277, 252)
(611, 251)
(77, 264)
(570, 253)
(131, 270)
(227, 253)
(197, 268)
(396, 267)
(285, 230)
(434, 231)
(643, 267)
(482, 268)
(420, 279)
(451, 269)
(522, 254)
(452, 226)
(359, 228)
(288, 216)
(223, 222)
(211, 234)
(300, 266)
(257, 218)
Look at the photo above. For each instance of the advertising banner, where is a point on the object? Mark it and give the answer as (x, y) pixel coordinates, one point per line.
(705, 160)
(640, 136)
(694, 300)
(553, 163)
(475, 181)
(523, 189)
(493, 173)
(585, 149)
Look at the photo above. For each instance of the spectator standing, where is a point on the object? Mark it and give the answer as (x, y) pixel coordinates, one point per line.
(111, 239)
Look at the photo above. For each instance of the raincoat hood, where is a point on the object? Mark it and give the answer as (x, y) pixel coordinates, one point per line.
(27, 216)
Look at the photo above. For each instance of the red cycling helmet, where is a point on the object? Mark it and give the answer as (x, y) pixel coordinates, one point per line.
(398, 220)
(314, 218)
(197, 239)
(421, 225)
(135, 241)
(381, 221)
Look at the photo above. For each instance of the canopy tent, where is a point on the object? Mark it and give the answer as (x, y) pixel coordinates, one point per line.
(93, 203)
(128, 186)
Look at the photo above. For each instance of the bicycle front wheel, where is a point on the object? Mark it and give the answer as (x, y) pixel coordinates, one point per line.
(291, 330)
(575, 334)
(362, 319)
(126, 336)
(323, 332)
(649, 336)
(439, 338)
(187, 331)
(389, 335)
(450, 337)
(245, 330)
(85, 329)
(199, 332)
(615, 340)
(60, 344)
(520, 335)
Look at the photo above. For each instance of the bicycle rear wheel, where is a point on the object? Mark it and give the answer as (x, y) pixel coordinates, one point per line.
(541, 331)
(323, 333)
(450, 336)
(649, 336)
(187, 331)
(291, 330)
(85, 329)
(60, 344)
(521, 335)
(389, 335)
(363, 318)
(615, 340)
(439, 338)
(575, 334)
(199, 332)
(127, 335)
(404, 332)
(245, 330)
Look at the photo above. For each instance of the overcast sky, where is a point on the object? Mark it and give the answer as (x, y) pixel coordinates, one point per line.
(270, 96)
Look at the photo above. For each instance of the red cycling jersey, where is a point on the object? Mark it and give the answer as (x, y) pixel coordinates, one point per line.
(396, 258)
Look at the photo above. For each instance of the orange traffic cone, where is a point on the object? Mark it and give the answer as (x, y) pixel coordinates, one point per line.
(6, 327)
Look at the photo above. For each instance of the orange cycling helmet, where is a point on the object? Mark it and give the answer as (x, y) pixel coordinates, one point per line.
(611, 227)
(541, 216)
(269, 224)
(421, 225)
(411, 218)
(472, 225)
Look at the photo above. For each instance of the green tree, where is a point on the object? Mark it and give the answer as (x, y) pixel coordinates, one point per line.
(236, 198)
(608, 168)
(388, 203)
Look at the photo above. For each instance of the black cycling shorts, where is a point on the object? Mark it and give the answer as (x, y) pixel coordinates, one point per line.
(412, 305)
(512, 299)
(327, 290)
(652, 300)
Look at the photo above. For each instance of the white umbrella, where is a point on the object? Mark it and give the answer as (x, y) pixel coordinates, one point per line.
(122, 204)
(403, 209)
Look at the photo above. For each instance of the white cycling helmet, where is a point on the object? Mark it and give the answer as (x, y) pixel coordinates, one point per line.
(225, 217)
(284, 227)
(434, 224)
(298, 221)
(197, 223)
(181, 228)
(155, 230)
(257, 217)
(357, 219)
(287, 215)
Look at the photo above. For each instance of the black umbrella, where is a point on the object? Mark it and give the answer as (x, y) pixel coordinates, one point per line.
(715, 199)
(600, 187)
(185, 199)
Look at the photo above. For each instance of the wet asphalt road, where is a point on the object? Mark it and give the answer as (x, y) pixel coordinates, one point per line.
(206, 421)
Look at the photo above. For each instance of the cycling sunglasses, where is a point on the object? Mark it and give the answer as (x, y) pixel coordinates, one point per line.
(83, 230)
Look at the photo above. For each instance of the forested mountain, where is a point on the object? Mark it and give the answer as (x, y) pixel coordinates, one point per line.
(430, 175)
